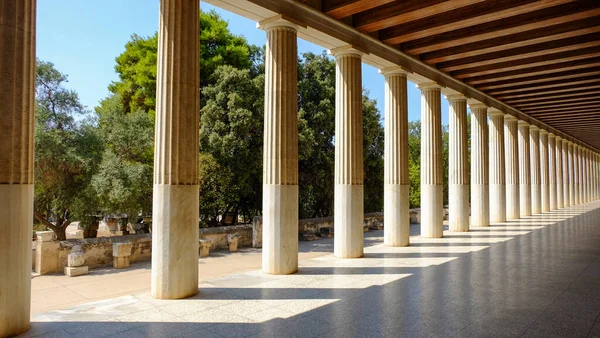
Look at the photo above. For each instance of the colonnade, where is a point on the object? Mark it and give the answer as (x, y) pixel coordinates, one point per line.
(516, 169)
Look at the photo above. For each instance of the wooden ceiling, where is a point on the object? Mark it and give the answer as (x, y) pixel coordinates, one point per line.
(539, 57)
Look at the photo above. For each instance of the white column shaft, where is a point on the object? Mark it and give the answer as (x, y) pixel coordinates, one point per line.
(396, 217)
(349, 189)
(458, 172)
(572, 197)
(544, 175)
(560, 198)
(536, 186)
(511, 142)
(17, 121)
(432, 197)
(524, 169)
(175, 205)
(497, 168)
(480, 195)
(576, 174)
(280, 155)
(552, 171)
(565, 173)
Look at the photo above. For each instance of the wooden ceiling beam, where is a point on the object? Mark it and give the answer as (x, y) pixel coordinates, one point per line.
(474, 14)
(554, 47)
(573, 89)
(576, 100)
(539, 79)
(559, 106)
(539, 22)
(562, 114)
(404, 11)
(582, 107)
(543, 98)
(547, 85)
(572, 111)
(339, 9)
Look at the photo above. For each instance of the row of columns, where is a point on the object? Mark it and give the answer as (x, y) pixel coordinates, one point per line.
(496, 148)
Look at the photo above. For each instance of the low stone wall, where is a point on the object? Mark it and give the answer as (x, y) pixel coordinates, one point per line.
(219, 236)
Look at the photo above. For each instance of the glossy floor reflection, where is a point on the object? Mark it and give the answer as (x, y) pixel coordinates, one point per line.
(536, 277)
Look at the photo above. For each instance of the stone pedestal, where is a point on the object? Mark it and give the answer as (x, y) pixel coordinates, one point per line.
(458, 171)
(552, 171)
(536, 184)
(432, 197)
(524, 169)
(511, 145)
(17, 120)
(46, 253)
(565, 173)
(560, 197)
(75, 261)
(121, 253)
(233, 240)
(479, 166)
(497, 167)
(396, 183)
(349, 176)
(204, 245)
(74, 271)
(280, 154)
(175, 200)
(544, 174)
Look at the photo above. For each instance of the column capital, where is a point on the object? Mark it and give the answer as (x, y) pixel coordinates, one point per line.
(509, 118)
(428, 85)
(350, 50)
(533, 128)
(558, 138)
(551, 135)
(543, 132)
(493, 112)
(523, 123)
(394, 70)
(280, 21)
(474, 104)
(456, 97)
(565, 141)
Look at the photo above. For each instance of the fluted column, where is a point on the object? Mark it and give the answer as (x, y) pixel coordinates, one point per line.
(432, 193)
(544, 174)
(349, 189)
(560, 201)
(497, 170)
(552, 170)
(17, 120)
(536, 184)
(280, 149)
(458, 173)
(511, 142)
(577, 181)
(587, 175)
(175, 206)
(480, 194)
(524, 169)
(572, 198)
(565, 173)
(396, 215)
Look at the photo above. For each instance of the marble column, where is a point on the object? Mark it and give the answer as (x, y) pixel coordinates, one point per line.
(458, 172)
(496, 166)
(566, 177)
(576, 173)
(552, 170)
(17, 120)
(587, 175)
(396, 215)
(349, 176)
(560, 202)
(511, 142)
(584, 178)
(432, 192)
(175, 201)
(280, 149)
(544, 175)
(536, 184)
(524, 169)
(572, 199)
(480, 195)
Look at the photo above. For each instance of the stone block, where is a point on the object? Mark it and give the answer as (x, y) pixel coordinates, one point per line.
(232, 240)
(45, 236)
(73, 271)
(205, 245)
(76, 257)
(120, 262)
(121, 253)
(257, 232)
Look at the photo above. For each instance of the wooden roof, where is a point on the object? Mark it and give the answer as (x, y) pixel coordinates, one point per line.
(541, 58)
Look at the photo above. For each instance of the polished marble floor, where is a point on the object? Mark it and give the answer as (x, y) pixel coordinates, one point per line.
(536, 277)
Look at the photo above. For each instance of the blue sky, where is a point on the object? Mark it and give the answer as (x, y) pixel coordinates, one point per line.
(83, 38)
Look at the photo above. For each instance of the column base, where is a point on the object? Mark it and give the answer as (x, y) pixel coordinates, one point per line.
(480, 205)
(280, 229)
(513, 207)
(458, 213)
(396, 217)
(497, 203)
(175, 241)
(16, 218)
(348, 221)
(432, 211)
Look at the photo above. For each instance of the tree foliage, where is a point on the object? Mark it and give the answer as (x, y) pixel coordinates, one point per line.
(67, 152)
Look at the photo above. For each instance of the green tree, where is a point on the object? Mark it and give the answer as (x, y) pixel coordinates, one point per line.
(67, 152)
(373, 142)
